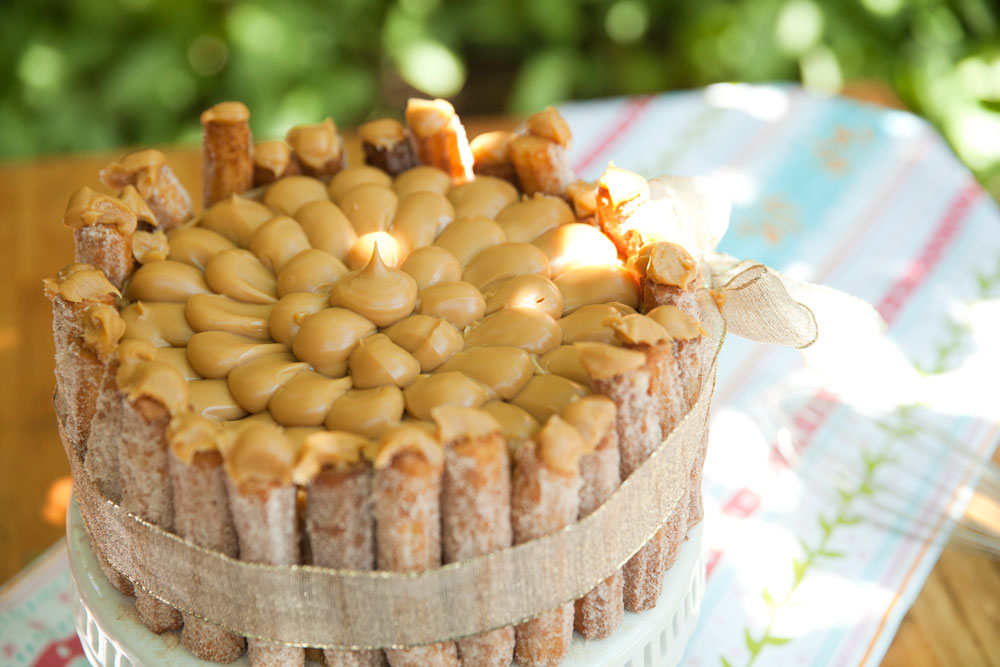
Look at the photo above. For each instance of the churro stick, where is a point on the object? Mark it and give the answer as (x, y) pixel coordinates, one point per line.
(273, 160)
(600, 611)
(688, 337)
(318, 148)
(227, 152)
(386, 144)
(102, 233)
(625, 377)
(409, 464)
(669, 276)
(75, 292)
(540, 154)
(338, 515)
(545, 497)
(201, 516)
(475, 509)
(155, 182)
(154, 392)
(103, 329)
(491, 155)
(262, 498)
(439, 137)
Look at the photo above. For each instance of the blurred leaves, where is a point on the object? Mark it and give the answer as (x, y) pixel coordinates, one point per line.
(97, 73)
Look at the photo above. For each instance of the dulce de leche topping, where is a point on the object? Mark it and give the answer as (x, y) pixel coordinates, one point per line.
(391, 250)
(382, 133)
(87, 208)
(161, 324)
(604, 361)
(484, 196)
(505, 370)
(278, 240)
(637, 329)
(587, 323)
(467, 236)
(226, 112)
(116, 175)
(671, 264)
(316, 145)
(432, 265)
(190, 433)
(527, 291)
(429, 391)
(618, 186)
(545, 395)
(456, 422)
(166, 280)
(678, 324)
(290, 311)
(236, 218)
(526, 328)
(80, 282)
(212, 399)
(419, 217)
(560, 446)
(430, 340)
(327, 228)
(533, 216)
(215, 312)
(310, 271)
(565, 361)
(351, 177)
(422, 178)
(503, 261)
(156, 380)
(260, 452)
(576, 245)
(289, 194)
(239, 274)
(253, 383)
(327, 339)
(549, 124)
(370, 207)
(149, 246)
(131, 198)
(377, 361)
(382, 294)
(369, 412)
(407, 439)
(516, 424)
(305, 400)
(597, 284)
(196, 245)
(593, 416)
(103, 327)
(458, 302)
(213, 354)
(337, 449)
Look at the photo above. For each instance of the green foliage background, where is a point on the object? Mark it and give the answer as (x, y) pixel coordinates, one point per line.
(91, 74)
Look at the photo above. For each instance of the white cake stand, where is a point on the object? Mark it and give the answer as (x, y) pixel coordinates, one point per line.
(112, 635)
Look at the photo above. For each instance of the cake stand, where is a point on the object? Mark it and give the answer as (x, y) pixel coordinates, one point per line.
(113, 636)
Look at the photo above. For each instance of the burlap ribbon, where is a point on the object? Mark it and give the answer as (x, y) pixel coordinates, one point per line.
(312, 606)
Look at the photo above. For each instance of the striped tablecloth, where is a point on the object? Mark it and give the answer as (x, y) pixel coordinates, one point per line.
(804, 568)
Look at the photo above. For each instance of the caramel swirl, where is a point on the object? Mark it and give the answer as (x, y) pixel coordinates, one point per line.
(327, 228)
(422, 178)
(277, 241)
(190, 434)
(335, 449)
(484, 196)
(291, 193)
(290, 311)
(531, 217)
(678, 324)
(79, 282)
(465, 237)
(430, 340)
(458, 302)
(597, 284)
(196, 245)
(503, 261)
(239, 274)
(370, 207)
(215, 312)
(429, 391)
(505, 370)
(254, 383)
(347, 179)
(259, 452)
(236, 218)
(431, 265)
(161, 324)
(87, 208)
(526, 328)
(377, 361)
(587, 323)
(528, 291)
(382, 294)
(327, 339)
(213, 354)
(166, 281)
(305, 400)
(310, 271)
(212, 399)
(576, 245)
(369, 412)
(545, 395)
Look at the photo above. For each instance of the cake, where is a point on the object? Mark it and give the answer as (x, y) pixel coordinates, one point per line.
(446, 351)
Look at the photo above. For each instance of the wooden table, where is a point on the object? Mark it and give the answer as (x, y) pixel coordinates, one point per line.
(955, 621)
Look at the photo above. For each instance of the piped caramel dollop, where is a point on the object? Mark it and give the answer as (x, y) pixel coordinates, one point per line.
(337, 449)
(79, 282)
(430, 340)
(429, 391)
(87, 208)
(369, 412)
(377, 361)
(327, 339)
(259, 452)
(382, 294)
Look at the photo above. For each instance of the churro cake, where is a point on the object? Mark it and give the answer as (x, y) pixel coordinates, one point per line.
(446, 351)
